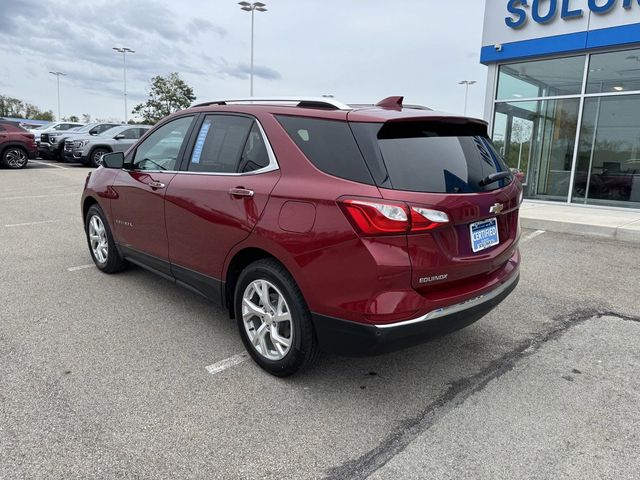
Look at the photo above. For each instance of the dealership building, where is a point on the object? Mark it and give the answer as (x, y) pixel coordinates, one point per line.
(563, 96)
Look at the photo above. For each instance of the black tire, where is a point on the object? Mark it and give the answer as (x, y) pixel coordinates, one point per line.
(58, 156)
(96, 156)
(304, 346)
(15, 158)
(113, 262)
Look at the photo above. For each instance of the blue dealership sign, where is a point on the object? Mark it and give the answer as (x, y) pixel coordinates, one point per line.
(546, 11)
(520, 29)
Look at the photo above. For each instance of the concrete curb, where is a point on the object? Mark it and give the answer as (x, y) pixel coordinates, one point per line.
(626, 233)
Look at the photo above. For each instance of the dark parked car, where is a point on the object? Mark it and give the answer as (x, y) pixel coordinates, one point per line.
(318, 224)
(17, 145)
(612, 181)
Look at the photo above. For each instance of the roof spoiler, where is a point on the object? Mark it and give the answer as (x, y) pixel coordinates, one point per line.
(391, 102)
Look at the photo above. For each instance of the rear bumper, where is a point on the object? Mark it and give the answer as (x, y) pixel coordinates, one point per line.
(358, 339)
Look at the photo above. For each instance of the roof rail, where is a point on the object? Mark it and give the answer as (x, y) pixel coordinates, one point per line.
(305, 102)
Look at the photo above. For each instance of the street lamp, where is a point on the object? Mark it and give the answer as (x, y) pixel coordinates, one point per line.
(124, 51)
(57, 74)
(252, 7)
(466, 83)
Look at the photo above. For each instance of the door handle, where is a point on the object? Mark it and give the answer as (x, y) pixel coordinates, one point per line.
(241, 192)
(155, 184)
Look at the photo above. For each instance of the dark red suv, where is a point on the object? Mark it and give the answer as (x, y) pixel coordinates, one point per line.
(354, 229)
(17, 145)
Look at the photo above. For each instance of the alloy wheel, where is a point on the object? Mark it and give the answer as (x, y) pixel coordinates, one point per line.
(97, 157)
(16, 158)
(98, 239)
(267, 320)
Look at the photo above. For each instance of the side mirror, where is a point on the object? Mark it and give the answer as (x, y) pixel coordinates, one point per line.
(120, 136)
(113, 160)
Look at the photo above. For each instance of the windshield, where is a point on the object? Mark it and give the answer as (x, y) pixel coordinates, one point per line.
(84, 129)
(43, 127)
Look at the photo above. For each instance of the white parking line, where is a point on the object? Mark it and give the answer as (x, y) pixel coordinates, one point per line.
(80, 267)
(27, 197)
(531, 236)
(49, 164)
(227, 363)
(31, 223)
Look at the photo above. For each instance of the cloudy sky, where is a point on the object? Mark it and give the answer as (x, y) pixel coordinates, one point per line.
(357, 50)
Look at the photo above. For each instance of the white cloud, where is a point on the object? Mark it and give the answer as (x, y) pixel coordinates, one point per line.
(358, 51)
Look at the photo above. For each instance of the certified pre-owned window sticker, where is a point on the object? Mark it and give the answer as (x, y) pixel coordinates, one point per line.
(197, 150)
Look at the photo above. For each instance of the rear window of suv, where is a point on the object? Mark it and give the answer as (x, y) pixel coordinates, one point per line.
(434, 157)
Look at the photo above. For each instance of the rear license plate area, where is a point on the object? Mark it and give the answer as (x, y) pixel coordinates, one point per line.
(484, 234)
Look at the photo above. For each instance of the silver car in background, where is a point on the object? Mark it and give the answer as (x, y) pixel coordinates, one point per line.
(56, 141)
(90, 149)
(53, 128)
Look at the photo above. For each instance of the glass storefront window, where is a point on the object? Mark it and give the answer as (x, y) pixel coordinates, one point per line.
(545, 78)
(537, 135)
(608, 167)
(614, 72)
(538, 138)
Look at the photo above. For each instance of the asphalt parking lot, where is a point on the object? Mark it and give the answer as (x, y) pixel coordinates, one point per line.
(106, 376)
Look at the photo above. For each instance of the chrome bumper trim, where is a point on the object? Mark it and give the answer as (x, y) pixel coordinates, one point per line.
(458, 307)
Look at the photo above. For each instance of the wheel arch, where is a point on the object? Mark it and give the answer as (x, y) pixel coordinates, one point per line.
(9, 145)
(99, 146)
(238, 262)
(87, 204)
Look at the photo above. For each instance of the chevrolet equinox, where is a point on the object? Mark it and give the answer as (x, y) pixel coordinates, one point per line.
(355, 229)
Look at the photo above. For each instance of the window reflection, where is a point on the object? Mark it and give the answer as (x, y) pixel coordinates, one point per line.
(608, 168)
(538, 138)
(546, 78)
(614, 72)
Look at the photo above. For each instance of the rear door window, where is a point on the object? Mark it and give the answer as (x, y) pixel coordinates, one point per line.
(329, 145)
(254, 156)
(220, 144)
(436, 157)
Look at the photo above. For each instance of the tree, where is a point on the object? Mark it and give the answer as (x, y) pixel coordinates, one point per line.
(72, 118)
(86, 118)
(13, 107)
(166, 95)
(46, 116)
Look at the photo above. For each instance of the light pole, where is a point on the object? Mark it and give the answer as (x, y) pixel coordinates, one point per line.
(124, 51)
(252, 7)
(466, 83)
(57, 74)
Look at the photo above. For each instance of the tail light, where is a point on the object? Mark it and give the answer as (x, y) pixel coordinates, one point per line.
(382, 217)
(423, 219)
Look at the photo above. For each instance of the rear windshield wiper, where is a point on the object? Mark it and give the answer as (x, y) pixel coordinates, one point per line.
(494, 177)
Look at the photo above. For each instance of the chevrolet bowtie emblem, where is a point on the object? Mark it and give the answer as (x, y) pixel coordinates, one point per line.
(496, 208)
